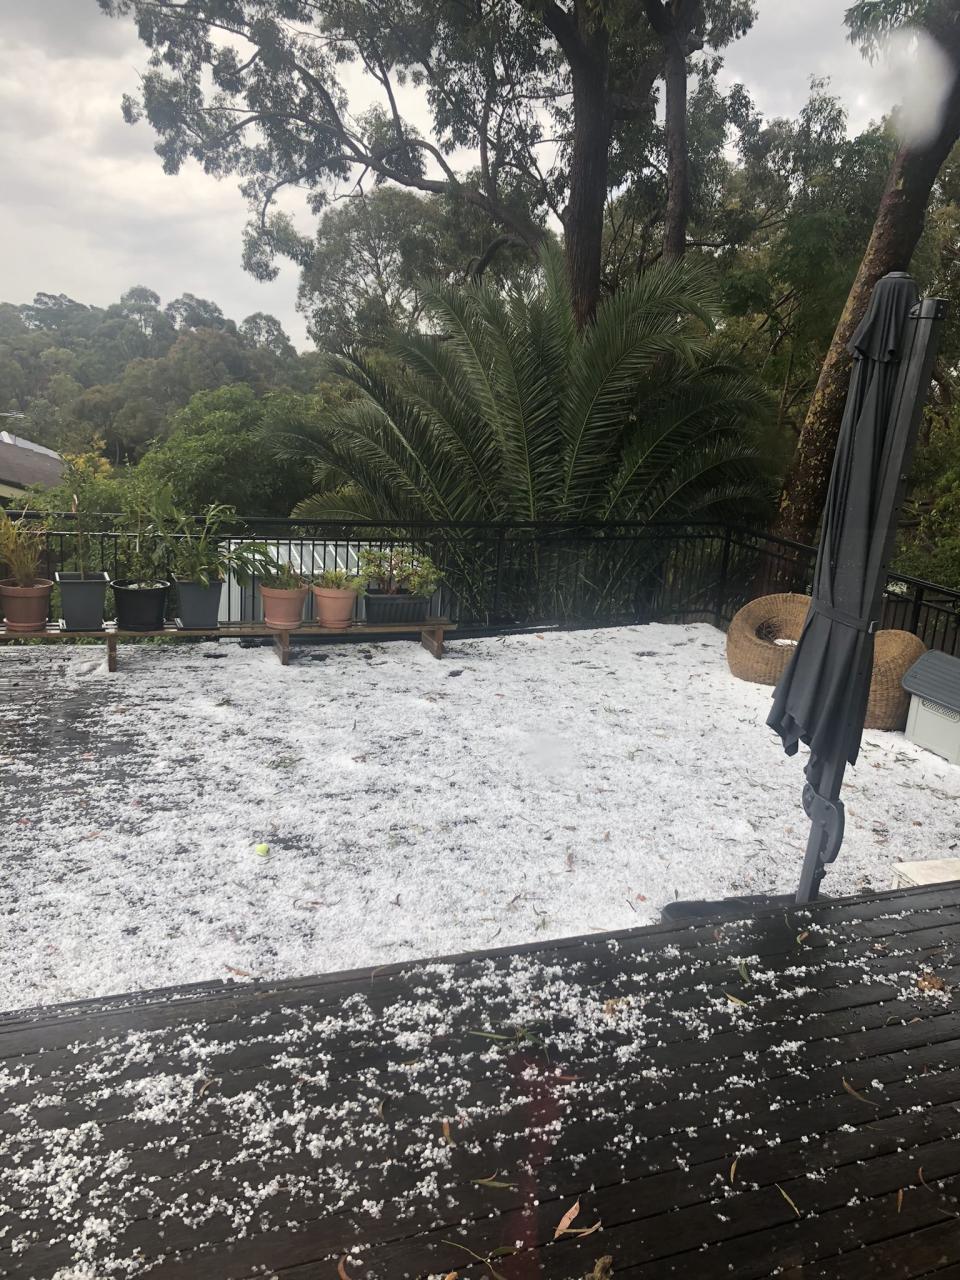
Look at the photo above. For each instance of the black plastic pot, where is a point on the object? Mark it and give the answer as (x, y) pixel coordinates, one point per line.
(382, 607)
(199, 605)
(140, 608)
(82, 596)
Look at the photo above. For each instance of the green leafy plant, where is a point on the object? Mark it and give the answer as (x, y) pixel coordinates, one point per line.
(145, 523)
(199, 553)
(281, 577)
(21, 545)
(338, 580)
(398, 570)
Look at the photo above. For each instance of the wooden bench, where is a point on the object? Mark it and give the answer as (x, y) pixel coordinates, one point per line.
(432, 632)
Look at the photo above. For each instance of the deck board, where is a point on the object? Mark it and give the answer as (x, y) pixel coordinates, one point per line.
(227, 1131)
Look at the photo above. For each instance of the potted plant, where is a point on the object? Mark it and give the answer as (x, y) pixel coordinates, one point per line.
(201, 561)
(399, 584)
(335, 597)
(283, 592)
(83, 591)
(24, 598)
(140, 592)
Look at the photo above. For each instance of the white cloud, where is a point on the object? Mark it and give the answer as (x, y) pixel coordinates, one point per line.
(88, 210)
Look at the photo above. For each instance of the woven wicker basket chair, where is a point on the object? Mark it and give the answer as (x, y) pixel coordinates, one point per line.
(752, 654)
(895, 652)
(751, 651)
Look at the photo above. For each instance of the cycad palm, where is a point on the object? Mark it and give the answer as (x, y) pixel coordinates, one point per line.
(508, 412)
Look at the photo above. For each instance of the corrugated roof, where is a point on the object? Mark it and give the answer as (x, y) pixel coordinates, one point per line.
(936, 677)
(23, 463)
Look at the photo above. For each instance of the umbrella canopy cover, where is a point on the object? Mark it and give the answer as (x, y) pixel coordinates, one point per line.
(822, 696)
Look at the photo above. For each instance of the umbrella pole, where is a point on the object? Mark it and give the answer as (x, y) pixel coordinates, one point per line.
(825, 811)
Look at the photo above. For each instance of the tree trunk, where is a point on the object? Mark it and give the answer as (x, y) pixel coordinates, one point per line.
(583, 215)
(898, 227)
(678, 162)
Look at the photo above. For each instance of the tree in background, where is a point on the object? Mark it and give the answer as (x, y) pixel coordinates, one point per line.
(373, 253)
(796, 211)
(896, 232)
(543, 92)
(506, 410)
(116, 374)
(218, 450)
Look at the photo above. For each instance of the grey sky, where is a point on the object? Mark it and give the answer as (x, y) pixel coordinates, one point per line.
(87, 210)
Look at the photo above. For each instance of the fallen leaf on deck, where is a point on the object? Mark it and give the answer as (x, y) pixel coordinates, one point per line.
(446, 1134)
(734, 999)
(493, 1182)
(802, 936)
(613, 1004)
(788, 1200)
(854, 1094)
(733, 1168)
(931, 982)
(580, 1232)
(602, 1269)
(567, 1218)
(342, 1271)
(899, 1199)
(239, 973)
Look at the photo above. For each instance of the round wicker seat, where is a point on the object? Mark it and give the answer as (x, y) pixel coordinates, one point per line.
(894, 654)
(752, 651)
(753, 654)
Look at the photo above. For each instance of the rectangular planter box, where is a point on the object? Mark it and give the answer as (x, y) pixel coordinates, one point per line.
(82, 599)
(199, 608)
(383, 608)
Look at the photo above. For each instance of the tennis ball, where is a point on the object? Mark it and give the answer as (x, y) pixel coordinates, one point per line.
(262, 849)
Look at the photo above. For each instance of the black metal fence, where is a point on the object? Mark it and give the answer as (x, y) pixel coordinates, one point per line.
(499, 577)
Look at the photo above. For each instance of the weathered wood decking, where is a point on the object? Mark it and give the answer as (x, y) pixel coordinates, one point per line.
(773, 1096)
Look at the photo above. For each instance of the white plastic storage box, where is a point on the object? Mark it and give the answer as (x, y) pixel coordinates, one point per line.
(933, 683)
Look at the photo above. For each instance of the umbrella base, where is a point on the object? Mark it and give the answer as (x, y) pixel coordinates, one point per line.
(723, 908)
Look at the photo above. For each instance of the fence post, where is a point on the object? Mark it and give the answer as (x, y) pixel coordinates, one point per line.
(495, 610)
(917, 606)
(724, 573)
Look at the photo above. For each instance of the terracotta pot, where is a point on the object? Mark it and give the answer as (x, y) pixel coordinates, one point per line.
(25, 608)
(333, 607)
(283, 607)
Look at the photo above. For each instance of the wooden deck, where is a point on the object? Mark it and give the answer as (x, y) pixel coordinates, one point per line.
(778, 1095)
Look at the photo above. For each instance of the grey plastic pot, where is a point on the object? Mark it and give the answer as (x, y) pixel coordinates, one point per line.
(140, 608)
(199, 608)
(82, 597)
(383, 608)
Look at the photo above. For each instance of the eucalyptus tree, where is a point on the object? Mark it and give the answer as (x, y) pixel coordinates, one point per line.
(371, 254)
(542, 93)
(896, 232)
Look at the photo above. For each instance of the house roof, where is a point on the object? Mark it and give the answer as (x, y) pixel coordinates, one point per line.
(23, 463)
(936, 677)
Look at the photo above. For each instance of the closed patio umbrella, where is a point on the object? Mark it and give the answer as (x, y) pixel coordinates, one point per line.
(821, 698)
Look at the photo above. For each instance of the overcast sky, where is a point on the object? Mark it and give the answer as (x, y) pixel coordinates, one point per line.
(86, 209)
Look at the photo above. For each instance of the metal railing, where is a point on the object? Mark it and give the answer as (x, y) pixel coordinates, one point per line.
(497, 577)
